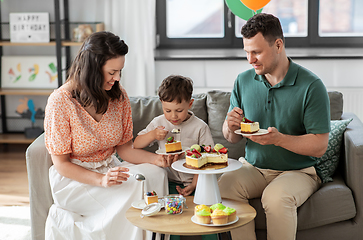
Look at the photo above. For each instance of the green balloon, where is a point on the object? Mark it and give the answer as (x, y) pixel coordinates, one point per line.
(240, 10)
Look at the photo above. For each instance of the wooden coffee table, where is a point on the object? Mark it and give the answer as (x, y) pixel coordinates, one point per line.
(182, 224)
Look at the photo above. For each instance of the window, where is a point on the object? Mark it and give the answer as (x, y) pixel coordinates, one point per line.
(306, 23)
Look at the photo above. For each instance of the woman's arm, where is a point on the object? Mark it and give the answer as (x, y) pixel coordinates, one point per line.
(133, 155)
(115, 176)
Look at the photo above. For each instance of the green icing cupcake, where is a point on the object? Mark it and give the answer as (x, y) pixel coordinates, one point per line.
(203, 213)
(229, 210)
(217, 205)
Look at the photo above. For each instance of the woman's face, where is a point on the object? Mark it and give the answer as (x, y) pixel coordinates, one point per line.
(112, 71)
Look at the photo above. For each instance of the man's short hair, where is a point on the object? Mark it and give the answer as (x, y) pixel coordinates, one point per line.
(176, 87)
(266, 24)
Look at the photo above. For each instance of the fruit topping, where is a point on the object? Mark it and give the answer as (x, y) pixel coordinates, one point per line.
(207, 148)
(196, 147)
(170, 139)
(175, 130)
(218, 146)
(245, 120)
(153, 193)
(223, 150)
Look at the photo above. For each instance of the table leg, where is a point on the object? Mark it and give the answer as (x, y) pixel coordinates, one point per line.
(229, 236)
(219, 236)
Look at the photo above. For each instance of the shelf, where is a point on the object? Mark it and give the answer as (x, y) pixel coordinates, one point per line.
(45, 92)
(70, 43)
(15, 138)
(8, 43)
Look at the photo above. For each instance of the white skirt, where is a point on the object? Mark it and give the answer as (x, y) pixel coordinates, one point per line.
(82, 211)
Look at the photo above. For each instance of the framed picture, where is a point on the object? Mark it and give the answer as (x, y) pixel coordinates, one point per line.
(35, 72)
(29, 27)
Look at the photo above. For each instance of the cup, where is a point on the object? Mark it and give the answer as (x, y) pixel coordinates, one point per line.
(174, 203)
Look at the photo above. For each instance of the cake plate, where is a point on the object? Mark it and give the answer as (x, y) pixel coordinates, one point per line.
(207, 190)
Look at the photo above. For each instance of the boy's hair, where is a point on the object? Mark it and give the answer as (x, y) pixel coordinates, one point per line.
(175, 87)
(266, 24)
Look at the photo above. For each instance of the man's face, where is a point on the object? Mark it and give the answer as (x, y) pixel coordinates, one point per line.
(260, 54)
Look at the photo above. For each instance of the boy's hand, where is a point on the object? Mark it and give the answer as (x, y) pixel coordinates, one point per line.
(160, 133)
(185, 191)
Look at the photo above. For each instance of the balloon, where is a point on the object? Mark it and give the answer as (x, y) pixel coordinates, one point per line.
(240, 10)
(255, 4)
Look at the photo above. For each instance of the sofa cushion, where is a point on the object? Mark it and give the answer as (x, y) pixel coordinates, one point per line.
(336, 105)
(333, 202)
(217, 107)
(328, 163)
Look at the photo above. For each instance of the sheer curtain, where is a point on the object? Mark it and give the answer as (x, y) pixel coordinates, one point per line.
(134, 22)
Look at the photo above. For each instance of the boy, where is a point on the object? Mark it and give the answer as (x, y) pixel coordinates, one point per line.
(175, 94)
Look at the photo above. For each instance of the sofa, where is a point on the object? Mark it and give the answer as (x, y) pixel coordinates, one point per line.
(334, 212)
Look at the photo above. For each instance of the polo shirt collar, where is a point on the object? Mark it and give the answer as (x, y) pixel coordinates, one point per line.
(289, 79)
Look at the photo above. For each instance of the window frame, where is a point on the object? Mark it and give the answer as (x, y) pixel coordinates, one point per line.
(230, 41)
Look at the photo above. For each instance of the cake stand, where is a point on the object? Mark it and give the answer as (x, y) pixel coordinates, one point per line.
(207, 190)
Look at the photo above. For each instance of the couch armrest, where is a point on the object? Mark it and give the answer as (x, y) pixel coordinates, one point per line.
(38, 162)
(353, 161)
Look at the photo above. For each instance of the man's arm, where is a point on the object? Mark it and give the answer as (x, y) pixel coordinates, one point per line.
(314, 145)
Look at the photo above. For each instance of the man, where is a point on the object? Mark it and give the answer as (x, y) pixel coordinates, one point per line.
(293, 105)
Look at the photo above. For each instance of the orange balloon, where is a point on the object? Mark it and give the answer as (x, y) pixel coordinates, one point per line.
(255, 4)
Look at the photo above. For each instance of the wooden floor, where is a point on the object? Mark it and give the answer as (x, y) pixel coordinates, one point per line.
(14, 189)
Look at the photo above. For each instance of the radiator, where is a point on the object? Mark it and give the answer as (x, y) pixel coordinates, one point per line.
(352, 100)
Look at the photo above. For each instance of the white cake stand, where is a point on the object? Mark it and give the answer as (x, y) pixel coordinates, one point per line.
(207, 190)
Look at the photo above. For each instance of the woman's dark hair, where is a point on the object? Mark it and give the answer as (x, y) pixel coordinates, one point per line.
(266, 24)
(175, 87)
(86, 72)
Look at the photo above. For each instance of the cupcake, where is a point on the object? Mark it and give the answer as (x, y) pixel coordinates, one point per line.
(203, 216)
(217, 206)
(231, 212)
(219, 217)
(201, 207)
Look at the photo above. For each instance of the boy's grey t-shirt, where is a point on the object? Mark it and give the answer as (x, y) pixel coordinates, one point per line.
(192, 131)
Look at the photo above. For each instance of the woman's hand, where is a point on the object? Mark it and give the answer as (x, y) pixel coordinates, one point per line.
(115, 176)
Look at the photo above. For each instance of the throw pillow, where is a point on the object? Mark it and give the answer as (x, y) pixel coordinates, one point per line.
(328, 163)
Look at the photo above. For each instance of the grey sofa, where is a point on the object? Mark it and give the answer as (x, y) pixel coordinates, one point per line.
(334, 212)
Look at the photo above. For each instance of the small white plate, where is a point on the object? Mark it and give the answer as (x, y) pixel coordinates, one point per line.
(162, 151)
(194, 220)
(260, 132)
(140, 204)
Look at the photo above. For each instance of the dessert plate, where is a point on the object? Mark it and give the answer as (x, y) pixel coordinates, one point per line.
(162, 151)
(260, 132)
(194, 220)
(140, 204)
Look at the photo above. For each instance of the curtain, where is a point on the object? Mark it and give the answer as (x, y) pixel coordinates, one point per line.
(134, 22)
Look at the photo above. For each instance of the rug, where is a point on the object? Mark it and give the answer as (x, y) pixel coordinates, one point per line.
(15, 223)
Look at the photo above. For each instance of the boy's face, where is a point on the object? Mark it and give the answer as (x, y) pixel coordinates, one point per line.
(175, 112)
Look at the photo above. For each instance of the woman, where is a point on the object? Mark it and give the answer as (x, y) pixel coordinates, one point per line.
(86, 121)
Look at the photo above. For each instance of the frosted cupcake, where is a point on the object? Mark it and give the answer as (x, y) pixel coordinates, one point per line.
(231, 212)
(219, 217)
(203, 216)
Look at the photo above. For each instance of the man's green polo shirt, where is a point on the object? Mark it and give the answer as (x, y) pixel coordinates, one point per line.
(298, 105)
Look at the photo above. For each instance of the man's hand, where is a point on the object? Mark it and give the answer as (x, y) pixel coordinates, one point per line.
(231, 124)
(234, 119)
(271, 138)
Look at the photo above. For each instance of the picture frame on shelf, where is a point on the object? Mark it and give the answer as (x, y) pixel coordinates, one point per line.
(29, 27)
(29, 72)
